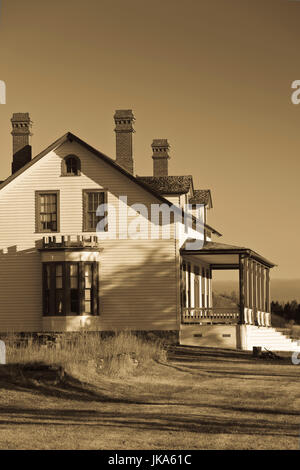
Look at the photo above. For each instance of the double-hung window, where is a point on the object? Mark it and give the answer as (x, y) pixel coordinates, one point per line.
(92, 199)
(47, 211)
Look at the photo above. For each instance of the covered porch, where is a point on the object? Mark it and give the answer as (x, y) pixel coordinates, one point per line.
(197, 267)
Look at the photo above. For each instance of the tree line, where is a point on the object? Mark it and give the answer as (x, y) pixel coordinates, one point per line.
(289, 311)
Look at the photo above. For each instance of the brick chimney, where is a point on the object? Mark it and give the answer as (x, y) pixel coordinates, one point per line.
(21, 127)
(124, 120)
(160, 157)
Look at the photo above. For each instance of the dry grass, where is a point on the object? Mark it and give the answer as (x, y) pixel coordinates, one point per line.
(198, 399)
(120, 354)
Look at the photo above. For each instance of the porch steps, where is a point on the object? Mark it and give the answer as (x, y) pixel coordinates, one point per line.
(270, 339)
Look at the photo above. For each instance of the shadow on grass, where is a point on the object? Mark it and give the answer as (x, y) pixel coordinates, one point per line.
(143, 420)
(199, 361)
(198, 354)
(146, 415)
(53, 382)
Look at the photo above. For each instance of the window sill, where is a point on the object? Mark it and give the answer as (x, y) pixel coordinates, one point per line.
(72, 315)
(69, 176)
(49, 233)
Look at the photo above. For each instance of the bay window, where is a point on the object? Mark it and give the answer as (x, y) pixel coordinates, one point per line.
(70, 288)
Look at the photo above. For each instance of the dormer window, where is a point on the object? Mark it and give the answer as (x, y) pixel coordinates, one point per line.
(71, 166)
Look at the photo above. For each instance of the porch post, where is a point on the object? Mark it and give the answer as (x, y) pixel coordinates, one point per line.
(263, 303)
(206, 289)
(187, 303)
(196, 287)
(210, 289)
(251, 289)
(258, 293)
(242, 289)
(268, 306)
(246, 290)
(254, 293)
(192, 287)
(201, 288)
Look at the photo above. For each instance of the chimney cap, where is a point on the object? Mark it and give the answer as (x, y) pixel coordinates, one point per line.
(124, 113)
(160, 143)
(20, 117)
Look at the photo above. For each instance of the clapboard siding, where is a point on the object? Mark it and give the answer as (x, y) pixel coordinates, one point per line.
(138, 278)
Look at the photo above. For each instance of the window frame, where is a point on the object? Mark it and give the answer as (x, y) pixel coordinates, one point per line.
(49, 295)
(64, 166)
(85, 193)
(38, 194)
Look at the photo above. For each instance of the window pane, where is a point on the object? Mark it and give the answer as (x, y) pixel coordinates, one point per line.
(91, 220)
(58, 270)
(59, 302)
(73, 270)
(94, 199)
(48, 212)
(72, 166)
(88, 276)
(48, 276)
(74, 301)
(90, 204)
(58, 277)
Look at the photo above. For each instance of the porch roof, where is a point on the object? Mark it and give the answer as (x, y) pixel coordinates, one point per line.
(222, 256)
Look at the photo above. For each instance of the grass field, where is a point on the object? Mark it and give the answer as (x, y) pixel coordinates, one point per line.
(196, 399)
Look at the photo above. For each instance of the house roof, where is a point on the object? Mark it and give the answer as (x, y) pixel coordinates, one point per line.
(223, 249)
(178, 185)
(168, 184)
(72, 137)
(201, 196)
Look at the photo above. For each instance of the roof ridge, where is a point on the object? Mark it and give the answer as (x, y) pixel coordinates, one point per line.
(70, 136)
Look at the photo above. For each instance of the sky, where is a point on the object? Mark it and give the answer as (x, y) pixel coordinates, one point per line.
(213, 77)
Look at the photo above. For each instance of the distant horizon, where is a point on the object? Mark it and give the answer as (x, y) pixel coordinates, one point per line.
(274, 278)
(282, 290)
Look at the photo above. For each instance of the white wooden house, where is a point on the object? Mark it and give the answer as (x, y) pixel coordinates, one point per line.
(59, 273)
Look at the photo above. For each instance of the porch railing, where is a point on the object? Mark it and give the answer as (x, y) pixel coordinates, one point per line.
(210, 315)
(70, 241)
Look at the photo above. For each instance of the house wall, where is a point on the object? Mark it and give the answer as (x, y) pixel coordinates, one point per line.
(174, 199)
(138, 278)
(212, 336)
